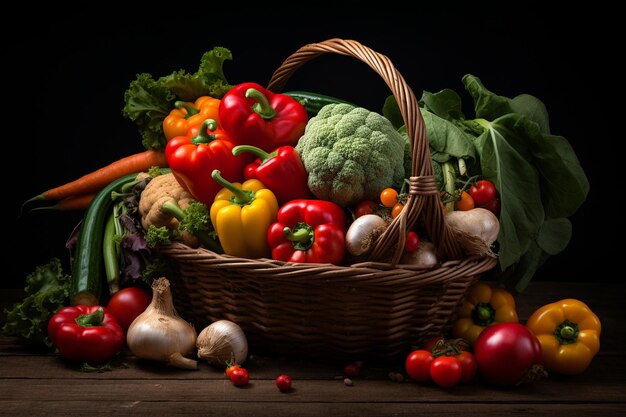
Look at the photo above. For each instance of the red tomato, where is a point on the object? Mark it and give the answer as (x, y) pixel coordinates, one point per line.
(230, 369)
(127, 304)
(283, 382)
(239, 377)
(483, 192)
(352, 370)
(493, 206)
(412, 242)
(506, 353)
(469, 366)
(418, 365)
(430, 343)
(365, 207)
(446, 371)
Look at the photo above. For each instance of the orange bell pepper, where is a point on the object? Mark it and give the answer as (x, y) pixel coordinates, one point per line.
(188, 115)
(483, 306)
(569, 333)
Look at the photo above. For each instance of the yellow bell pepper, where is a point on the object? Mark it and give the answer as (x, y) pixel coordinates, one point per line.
(569, 333)
(241, 215)
(483, 306)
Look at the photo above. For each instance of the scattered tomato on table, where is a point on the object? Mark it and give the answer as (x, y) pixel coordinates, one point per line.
(283, 382)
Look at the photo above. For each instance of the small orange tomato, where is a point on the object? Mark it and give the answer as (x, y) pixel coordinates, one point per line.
(395, 211)
(389, 197)
(465, 203)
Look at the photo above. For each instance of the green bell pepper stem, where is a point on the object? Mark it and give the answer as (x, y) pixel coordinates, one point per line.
(191, 110)
(91, 320)
(203, 137)
(262, 106)
(240, 197)
(301, 236)
(258, 152)
(483, 314)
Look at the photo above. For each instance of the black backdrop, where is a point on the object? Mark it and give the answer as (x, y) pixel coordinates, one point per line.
(66, 72)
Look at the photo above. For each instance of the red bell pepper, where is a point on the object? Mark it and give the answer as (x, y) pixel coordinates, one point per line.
(86, 333)
(193, 158)
(282, 171)
(309, 231)
(252, 115)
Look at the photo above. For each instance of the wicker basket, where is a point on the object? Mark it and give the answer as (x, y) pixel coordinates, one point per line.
(377, 308)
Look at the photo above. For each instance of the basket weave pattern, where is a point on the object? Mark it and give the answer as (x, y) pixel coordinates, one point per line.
(374, 308)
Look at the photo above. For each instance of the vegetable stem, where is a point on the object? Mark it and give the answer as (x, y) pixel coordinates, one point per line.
(258, 152)
(262, 106)
(203, 136)
(240, 197)
(191, 110)
(91, 320)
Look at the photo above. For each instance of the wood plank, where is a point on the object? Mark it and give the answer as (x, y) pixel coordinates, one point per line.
(174, 408)
(556, 390)
(129, 367)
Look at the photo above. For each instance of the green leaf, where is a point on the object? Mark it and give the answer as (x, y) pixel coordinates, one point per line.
(504, 158)
(445, 104)
(47, 290)
(517, 277)
(533, 109)
(490, 106)
(564, 185)
(391, 111)
(446, 138)
(554, 235)
(487, 105)
(148, 101)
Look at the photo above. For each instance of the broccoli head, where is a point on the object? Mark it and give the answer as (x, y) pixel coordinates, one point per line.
(351, 154)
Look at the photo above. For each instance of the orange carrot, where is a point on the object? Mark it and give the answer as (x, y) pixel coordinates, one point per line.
(96, 180)
(74, 202)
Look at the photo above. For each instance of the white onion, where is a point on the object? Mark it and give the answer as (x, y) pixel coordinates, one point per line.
(363, 232)
(160, 334)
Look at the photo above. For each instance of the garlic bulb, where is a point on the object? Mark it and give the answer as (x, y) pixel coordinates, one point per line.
(221, 342)
(160, 334)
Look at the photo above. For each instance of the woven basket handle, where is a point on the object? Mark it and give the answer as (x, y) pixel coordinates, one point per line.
(423, 193)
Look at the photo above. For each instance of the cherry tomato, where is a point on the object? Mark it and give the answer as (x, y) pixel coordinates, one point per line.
(465, 203)
(352, 370)
(469, 366)
(412, 242)
(239, 377)
(506, 353)
(365, 207)
(283, 382)
(429, 344)
(483, 192)
(127, 304)
(446, 371)
(396, 210)
(493, 206)
(230, 368)
(418, 365)
(389, 197)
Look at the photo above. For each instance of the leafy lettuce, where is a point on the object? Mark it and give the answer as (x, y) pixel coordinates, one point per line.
(149, 101)
(47, 290)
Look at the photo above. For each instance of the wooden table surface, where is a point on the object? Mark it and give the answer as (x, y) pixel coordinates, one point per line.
(33, 383)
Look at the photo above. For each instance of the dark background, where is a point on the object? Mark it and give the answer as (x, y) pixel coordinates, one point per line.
(66, 72)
